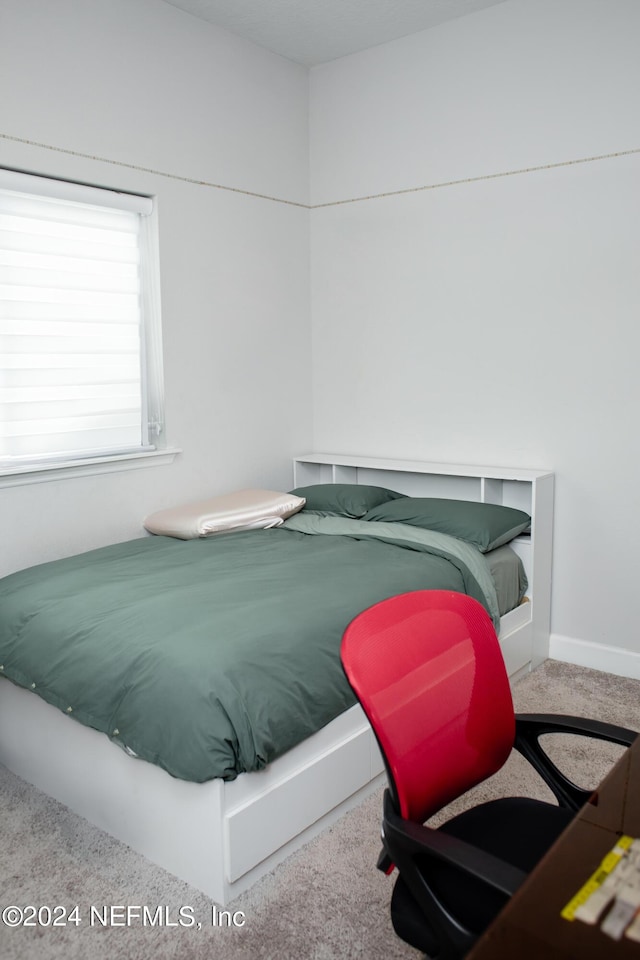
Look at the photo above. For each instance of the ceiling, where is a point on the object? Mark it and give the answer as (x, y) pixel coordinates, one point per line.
(316, 31)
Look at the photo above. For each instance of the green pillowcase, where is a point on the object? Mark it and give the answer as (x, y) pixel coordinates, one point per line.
(343, 499)
(486, 525)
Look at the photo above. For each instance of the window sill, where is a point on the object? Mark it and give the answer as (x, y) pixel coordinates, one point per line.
(66, 469)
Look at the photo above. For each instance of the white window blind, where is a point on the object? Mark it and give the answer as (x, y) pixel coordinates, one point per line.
(79, 367)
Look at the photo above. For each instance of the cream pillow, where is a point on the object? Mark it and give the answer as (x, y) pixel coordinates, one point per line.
(241, 510)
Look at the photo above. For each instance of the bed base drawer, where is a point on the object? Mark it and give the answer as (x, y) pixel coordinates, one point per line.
(253, 830)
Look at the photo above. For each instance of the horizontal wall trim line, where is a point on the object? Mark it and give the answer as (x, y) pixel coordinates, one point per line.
(479, 178)
(330, 203)
(156, 173)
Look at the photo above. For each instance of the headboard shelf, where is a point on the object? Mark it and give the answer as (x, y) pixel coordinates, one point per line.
(338, 461)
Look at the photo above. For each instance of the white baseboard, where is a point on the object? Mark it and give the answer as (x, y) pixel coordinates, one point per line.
(596, 656)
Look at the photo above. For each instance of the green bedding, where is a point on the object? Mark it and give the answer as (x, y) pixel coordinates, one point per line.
(212, 657)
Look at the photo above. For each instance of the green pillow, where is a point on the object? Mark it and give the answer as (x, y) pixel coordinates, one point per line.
(343, 499)
(486, 525)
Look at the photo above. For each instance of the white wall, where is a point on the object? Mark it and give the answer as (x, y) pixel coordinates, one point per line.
(143, 85)
(493, 321)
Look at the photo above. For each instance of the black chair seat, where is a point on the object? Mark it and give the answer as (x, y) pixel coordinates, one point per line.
(497, 828)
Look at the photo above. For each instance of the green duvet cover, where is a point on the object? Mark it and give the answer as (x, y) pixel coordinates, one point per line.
(212, 657)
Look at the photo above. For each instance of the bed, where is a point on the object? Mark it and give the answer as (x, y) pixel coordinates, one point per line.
(287, 758)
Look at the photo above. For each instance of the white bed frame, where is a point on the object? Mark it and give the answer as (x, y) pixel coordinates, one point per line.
(221, 837)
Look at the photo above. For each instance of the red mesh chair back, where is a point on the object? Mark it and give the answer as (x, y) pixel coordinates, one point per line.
(427, 669)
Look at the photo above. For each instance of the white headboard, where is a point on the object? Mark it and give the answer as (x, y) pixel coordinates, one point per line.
(524, 632)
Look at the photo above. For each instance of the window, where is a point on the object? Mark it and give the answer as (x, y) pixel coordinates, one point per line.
(80, 347)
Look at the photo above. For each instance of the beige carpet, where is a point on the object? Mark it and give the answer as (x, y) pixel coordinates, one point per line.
(327, 901)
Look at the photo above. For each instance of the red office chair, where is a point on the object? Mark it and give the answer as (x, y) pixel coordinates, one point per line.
(427, 668)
